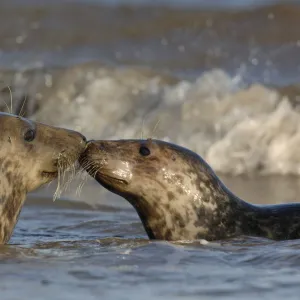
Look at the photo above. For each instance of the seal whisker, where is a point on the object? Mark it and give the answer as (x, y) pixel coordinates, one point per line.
(94, 171)
(23, 105)
(142, 130)
(11, 99)
(71, 176)
(6, 106)
(155, 128)
(58, 189)
(84, 178)
(88, 164)
(67, 172)
(62, 168)
(9, 110)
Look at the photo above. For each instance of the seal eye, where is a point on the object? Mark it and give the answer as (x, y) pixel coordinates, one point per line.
(144, 151)
(29, 135)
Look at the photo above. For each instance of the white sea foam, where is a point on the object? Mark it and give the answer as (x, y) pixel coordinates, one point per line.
(238, 129)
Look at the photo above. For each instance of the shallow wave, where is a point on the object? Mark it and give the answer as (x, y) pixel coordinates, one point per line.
(237, 252)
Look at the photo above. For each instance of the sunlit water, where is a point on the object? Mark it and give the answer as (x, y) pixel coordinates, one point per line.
(220, 77)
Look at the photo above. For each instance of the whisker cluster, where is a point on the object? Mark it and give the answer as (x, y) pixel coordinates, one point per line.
(10, 108)
(153, 131)
(92, 167)
(66, 173)
(87, 167)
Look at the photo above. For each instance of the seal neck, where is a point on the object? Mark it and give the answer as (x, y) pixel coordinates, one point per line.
(11, 201)
(231, 217)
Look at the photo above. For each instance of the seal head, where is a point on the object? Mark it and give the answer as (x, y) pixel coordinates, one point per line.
(178, 196)
(31, 154)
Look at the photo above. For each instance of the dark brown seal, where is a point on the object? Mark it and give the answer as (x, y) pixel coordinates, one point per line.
(179, 197)
(31, 154)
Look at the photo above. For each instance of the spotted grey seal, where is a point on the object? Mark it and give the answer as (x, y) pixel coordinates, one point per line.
(179, 197)
(31, 154)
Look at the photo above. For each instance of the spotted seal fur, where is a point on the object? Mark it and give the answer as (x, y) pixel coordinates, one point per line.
(179, 197)
(31, 154)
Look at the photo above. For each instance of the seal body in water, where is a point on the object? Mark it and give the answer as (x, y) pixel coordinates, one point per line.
(31, 154)
(179, 197)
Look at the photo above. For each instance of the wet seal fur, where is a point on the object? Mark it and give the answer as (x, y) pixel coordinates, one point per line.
(179, 197)
(30, 155)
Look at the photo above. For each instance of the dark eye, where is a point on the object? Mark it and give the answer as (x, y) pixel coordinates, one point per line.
(29, 135)
(144, 151)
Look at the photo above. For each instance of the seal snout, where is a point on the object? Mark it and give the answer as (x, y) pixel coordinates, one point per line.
(87, 159)
(101, 161)
(90, 149)
(77, 135)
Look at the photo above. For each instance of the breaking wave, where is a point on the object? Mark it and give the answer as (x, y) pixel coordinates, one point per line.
(238, 129)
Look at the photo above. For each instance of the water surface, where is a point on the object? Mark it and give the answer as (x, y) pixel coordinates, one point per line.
(100, 249)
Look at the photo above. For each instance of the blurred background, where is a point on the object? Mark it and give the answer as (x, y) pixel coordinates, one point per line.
(220, 77)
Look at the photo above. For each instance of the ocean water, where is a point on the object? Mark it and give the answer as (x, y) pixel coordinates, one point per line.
(219, 77)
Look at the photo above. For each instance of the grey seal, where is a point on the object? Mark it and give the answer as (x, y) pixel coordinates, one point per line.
(178, 196)
(31, 154)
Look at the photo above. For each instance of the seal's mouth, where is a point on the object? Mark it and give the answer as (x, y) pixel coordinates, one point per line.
(109, 178)
(49, 175)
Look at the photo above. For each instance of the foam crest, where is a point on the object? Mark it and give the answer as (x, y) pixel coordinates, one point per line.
(238, 129)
